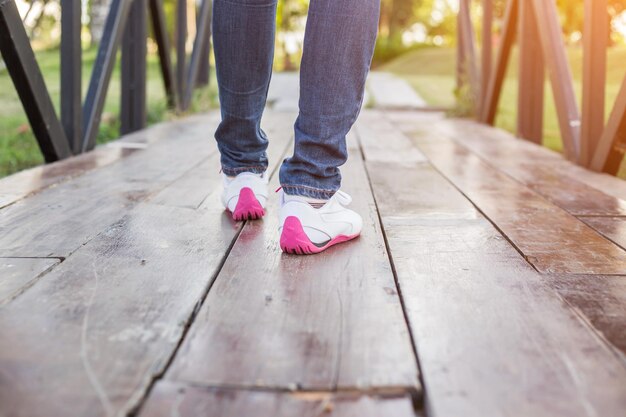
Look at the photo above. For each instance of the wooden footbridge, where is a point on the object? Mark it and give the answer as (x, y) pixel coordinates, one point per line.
(490, 279)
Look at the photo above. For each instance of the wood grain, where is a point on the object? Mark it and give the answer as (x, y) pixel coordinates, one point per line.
(550, 238)
(28, 182)
(106, 321)
(613, 228)
(602, 300)
(537, 173)
(91, 336)
(172, 399)
(383, 141)
(330, 321)
(492, 336)
(16, 274)
(56, 221)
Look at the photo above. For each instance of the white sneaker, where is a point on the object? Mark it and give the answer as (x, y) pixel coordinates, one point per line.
(245, 195)
(307, 230)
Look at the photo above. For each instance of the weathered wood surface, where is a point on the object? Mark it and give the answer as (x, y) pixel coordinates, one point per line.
(56, 221)
(533, 168)
(171, 399)
(332, 321)
(153, 298)
(388, 91)
(107, 320)
(550, 238)
(492, 336)
(601, 300)
(383, 141)
(613, 228)
(16, 274)
(28, 182)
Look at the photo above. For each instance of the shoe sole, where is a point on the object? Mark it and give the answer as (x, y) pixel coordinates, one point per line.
(248, 207)
(293, 239)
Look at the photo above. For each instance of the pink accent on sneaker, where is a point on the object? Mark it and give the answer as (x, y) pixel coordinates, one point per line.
(248, 207)
(294, 240)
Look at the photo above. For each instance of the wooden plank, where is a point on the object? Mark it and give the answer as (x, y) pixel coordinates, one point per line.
(108, 319)
(384, 141)
(172, 399)
(613, 228)
(601, 300)
(550, 238)
(324, 322)
(56, 221)
(390, 91)
(510, 147)
(535, 167)
(25, 183)
(492, 336)
(16, 274)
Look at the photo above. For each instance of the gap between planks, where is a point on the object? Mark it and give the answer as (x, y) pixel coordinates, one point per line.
(136, 409)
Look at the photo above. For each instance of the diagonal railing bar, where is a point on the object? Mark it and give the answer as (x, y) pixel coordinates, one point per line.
(612, 144)
(560, 75)
(24, 71)
(75, 132)
(202, 38)
(494, 89)
(103, 69)
(159, 30)
(595, 42)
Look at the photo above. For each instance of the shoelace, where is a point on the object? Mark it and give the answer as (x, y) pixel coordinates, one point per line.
(341, 196)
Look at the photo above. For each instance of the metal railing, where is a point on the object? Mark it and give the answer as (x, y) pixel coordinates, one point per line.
(126, 26)
(587, 139)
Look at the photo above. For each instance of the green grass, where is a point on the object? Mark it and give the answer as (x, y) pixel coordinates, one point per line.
(432, 73)
(18, 147)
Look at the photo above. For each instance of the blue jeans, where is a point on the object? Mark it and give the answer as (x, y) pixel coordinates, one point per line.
(338, 47)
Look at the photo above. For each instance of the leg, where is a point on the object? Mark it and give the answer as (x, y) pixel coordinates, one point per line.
(338, 49)
(243, 36)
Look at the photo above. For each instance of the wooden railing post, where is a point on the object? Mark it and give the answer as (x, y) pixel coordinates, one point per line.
(71, 73)
(595, 39)
(487, 51)
(560, 75)
(134, 55)
(162, 39)
(181, 53)
(531, 77)
(30, 84)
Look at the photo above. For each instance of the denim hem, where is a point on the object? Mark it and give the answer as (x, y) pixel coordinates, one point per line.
(233, 172)
(310, 192)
